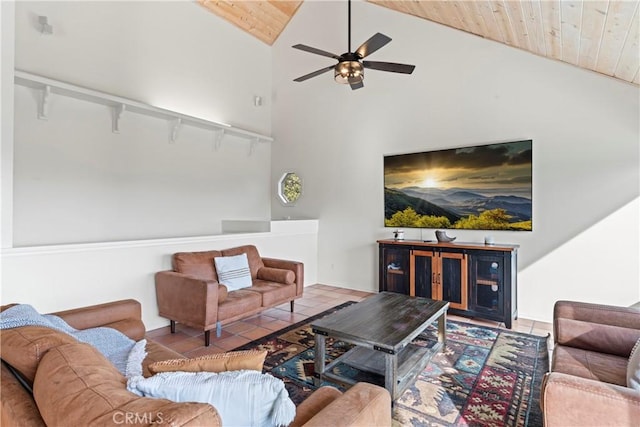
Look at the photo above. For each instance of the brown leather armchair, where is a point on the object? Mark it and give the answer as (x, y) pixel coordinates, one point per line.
(587, 385)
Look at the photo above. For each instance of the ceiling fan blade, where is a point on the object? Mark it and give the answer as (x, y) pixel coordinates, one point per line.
(315, 73)
(374, 43)
(316, 51)
(356, 83)
(389, 66)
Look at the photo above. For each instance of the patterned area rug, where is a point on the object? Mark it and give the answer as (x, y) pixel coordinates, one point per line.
(483, 377)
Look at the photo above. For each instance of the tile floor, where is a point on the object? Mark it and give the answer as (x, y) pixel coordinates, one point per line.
(316, 299)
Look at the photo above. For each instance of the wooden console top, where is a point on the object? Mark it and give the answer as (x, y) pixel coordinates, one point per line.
(460, 245)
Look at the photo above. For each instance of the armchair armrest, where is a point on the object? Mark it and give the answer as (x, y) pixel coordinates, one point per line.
(295, 266)
(363, 404)
(123, 315)
(187, 299)
(568, 400)
(595, 327)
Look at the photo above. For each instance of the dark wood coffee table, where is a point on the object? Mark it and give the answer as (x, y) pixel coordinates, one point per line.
(381, 327)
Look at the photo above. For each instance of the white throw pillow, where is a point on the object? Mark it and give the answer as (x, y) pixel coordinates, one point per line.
(633, 368)
(242, 398)
(233, 271)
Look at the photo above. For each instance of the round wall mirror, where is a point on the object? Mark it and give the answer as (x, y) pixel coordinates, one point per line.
(289, 188)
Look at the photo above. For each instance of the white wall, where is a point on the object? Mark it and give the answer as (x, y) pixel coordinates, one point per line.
(7, 39)
(76, 181)
(53, 278)
(465, 91)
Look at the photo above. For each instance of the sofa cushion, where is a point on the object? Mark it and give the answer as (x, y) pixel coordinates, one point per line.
(253, 256)
(242, 398)
(76, 385)
(239, 303)
(233, 271)
(590, 364)
(24, 347)
(199, 264)
(633, 368)
(219, 362)
(273, 293)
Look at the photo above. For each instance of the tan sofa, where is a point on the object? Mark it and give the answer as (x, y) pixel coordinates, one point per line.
(73, 384)
(192, 294)
(587, 384)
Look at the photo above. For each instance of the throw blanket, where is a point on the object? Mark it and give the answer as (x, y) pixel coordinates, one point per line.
(126, 354)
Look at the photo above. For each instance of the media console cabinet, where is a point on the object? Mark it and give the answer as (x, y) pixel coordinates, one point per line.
(478, 280)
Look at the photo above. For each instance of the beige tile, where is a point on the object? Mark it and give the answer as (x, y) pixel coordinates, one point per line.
(238, 327)
(304, 302)
(232, 342)
(523, 322)
(290, 317)
(546, 326)
(158, 332)
(276, 325)
(256, 333)
(204, 351)
(362, 294)
(187, 330)
(188, 344)
(261, 320)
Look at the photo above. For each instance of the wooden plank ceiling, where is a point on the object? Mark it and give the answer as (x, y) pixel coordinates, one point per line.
(598, 35)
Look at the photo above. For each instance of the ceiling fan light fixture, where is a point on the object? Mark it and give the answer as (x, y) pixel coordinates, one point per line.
(349, 72)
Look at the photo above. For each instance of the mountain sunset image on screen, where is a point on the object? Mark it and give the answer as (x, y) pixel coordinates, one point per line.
(484, 187)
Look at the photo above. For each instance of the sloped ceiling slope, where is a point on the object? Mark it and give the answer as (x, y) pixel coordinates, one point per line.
(597, 35)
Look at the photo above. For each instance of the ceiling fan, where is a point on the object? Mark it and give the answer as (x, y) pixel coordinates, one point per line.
(350, 66)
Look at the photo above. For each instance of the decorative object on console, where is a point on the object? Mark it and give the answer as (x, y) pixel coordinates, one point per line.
(486, 187)
(442, 236)
(398, 235)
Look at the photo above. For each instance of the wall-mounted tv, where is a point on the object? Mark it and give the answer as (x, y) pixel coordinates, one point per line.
(484, 187)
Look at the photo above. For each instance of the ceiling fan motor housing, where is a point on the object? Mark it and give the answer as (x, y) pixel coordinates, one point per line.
(349, 69)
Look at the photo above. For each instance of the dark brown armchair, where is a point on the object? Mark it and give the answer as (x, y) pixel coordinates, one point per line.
(587, 385)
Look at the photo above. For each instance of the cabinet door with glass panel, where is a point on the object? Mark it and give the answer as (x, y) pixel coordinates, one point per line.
(394, 269)
(488, 283)
(439, 275)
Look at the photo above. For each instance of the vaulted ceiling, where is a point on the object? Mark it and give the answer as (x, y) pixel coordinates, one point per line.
(598, 35)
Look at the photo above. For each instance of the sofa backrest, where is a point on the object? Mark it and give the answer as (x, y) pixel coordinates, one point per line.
(202, 266)
(76, 385)
(255, 260)
(198, 264)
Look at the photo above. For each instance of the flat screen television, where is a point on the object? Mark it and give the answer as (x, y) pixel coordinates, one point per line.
(483, 187)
